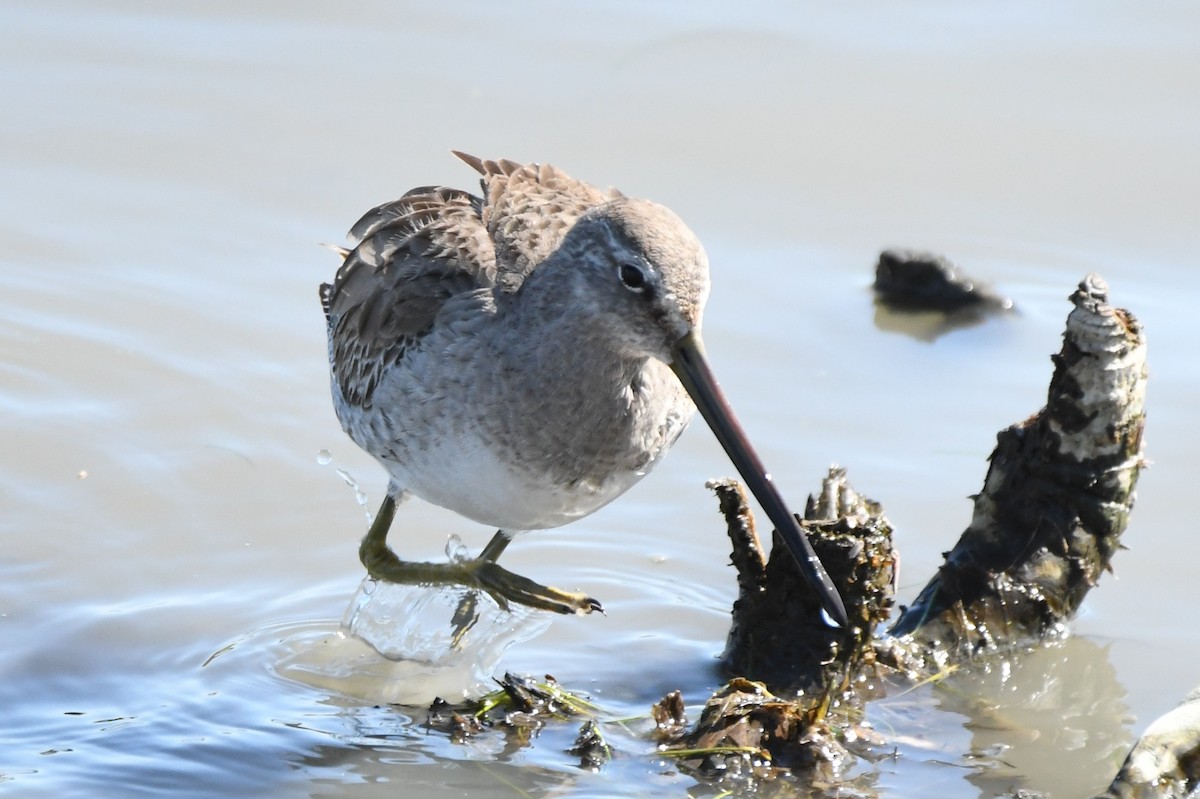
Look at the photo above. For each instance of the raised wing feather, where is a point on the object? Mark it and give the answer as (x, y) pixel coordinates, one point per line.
(528, 210)
(411, 255)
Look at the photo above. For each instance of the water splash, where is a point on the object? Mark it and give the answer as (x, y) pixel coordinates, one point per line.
(405, 644)
(456, 550)
(360, 496)
(441, 626)
(324, 458)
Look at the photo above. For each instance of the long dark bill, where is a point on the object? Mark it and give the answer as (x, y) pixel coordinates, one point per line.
(693, 371)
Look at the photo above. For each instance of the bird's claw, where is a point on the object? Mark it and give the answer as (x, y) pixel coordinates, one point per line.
(505, 587)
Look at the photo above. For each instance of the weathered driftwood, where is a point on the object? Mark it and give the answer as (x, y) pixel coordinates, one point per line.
(1057, 496)
(779, 642)
(1165, 762)
(777, 634)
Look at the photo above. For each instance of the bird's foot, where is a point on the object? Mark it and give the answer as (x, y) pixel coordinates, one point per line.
(505, 587)
(501, 584)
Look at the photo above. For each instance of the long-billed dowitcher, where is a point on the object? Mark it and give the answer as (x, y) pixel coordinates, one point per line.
(523, 358)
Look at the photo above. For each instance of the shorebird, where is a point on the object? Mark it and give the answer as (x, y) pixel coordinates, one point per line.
(522, 358)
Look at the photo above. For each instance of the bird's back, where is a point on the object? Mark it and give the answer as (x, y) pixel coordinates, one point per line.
(409, 257)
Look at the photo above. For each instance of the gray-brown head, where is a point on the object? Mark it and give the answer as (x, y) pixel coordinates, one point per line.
(640, 272)
(637, 271)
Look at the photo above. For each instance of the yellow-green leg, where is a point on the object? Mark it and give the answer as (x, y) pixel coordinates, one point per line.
(481, 572)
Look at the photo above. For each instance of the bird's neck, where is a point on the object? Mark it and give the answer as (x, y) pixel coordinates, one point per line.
(595, 408)
(556, 320)
(573, 357)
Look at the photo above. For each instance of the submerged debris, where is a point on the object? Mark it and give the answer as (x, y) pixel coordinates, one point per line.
(590, 747)
(746, 730)
(1057, 497)
(529, 697)
(914, 280)
(460, 726)
(521, 704)
(778, 639)
(670, 716)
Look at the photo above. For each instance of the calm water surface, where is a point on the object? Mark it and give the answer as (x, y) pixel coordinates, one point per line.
(171, 538)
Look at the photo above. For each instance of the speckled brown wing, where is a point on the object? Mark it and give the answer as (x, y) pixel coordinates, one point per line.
(528, 210)
(408, 258)
(411, 255)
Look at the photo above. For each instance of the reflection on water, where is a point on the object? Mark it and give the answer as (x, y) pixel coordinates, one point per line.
(1046, 719)
(1041, 718)
(929, 326)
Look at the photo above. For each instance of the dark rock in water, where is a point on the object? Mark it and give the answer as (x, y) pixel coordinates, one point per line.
(913, 280)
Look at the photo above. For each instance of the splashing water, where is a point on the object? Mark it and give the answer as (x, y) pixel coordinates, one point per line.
(456, 550)
(324, 458)
(360, 496)
(410, 644)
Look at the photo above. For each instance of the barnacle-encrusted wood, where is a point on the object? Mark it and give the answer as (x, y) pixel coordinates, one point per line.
(1057, 496)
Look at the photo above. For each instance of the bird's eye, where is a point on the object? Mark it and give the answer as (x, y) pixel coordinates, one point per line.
(632, 276)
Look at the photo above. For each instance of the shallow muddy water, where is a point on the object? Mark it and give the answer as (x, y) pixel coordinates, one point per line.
(178, 523)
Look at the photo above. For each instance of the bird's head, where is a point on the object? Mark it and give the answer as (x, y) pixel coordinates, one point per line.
(644, 278)
(643, 273)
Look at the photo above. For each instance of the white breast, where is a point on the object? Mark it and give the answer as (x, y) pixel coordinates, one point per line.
(464, 475)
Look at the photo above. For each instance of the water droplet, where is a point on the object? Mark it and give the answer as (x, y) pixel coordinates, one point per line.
(360, 496)
(456, 550)
(324, 457)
